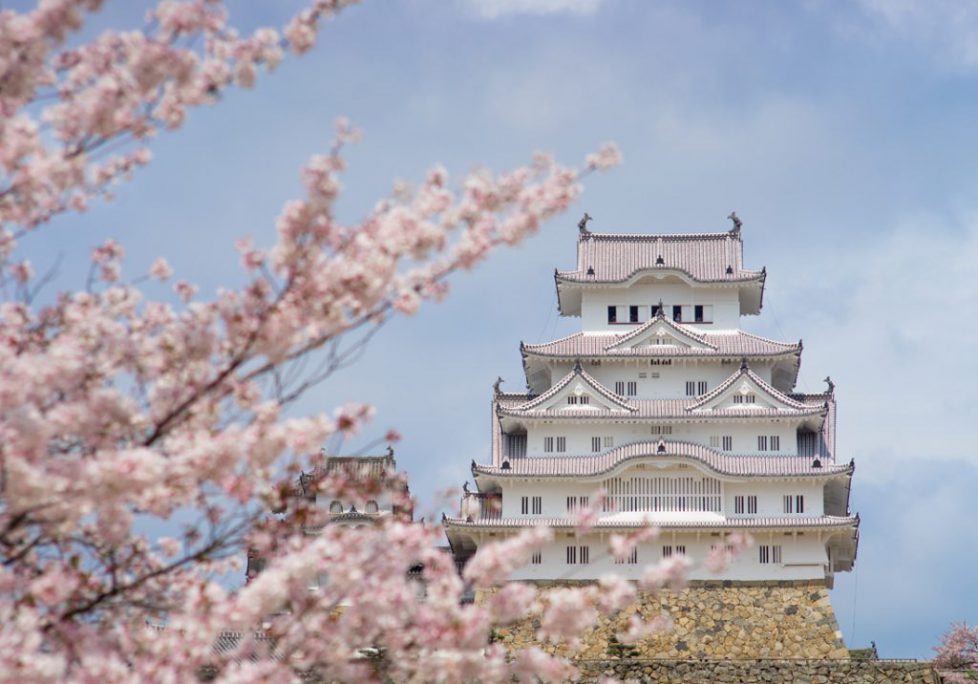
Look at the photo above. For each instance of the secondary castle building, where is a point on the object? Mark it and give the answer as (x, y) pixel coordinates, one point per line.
(681, 417)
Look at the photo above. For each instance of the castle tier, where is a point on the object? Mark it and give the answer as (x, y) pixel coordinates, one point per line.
(677, 414)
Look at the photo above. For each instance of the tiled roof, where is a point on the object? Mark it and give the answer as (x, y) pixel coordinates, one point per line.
(615, 257)
(746, 372)
(727, 523)
(664, 409)
(589, 380)
(730, 344)
(718, 461)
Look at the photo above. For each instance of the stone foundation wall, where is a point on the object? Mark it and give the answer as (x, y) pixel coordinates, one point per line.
(798, 671)
(775, 619)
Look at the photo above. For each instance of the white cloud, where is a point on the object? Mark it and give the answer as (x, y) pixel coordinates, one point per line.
(493, 9)
(948, 29)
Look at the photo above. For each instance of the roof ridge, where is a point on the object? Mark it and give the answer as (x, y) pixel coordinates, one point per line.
(711, 235)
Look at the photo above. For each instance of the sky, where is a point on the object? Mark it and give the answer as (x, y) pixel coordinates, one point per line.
(842, 133)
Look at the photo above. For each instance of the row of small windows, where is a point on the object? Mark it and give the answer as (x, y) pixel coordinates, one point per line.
(764, 442)
(694, 388)
(681, 313)
(337, 507)
(626, 388)
(581, 555)
(551, 444)
(744, 504)
(769, 553)
(598, 443)
(574, 399)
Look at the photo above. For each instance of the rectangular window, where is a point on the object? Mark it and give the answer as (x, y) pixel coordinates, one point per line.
(739, 504)
(661, 429)
(776, 553)
(561, 444)
(643, 376)
(584, 399)
(525, 505)
(680, 549)
(631, 558)
(715, 441)
(690, 388)
(633, 314)
(655, 310)
(632, 388)
(612, 314)
(608, 442)
(701, 387)
(728, 443)
(584, 501)
(537, 505)
(571, 503)
(789, 504)
(571, 555)
(698, 313)
(800, 503)
(548, 444)
(572, 399)
(762, 442)
(677, 313)
(585, 554)
(764, 553)
(752, 504)
(666, 551)
(620, 387)
(595, 444)
(744, 398)
(775, 443)
(536, 558)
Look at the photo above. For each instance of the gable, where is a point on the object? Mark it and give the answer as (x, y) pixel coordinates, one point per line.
(660, 332)
(744, 392)
(579, 395)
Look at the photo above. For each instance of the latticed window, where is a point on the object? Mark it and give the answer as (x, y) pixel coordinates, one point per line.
(595, 444)
(536, 558)
(548, 444)
(631, 388)
(662, 493)
(561, 444)
(630, 559)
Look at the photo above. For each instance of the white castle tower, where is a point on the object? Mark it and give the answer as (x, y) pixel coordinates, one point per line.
(679, 415)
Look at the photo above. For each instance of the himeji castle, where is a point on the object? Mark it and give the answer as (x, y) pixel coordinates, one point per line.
(681, 417)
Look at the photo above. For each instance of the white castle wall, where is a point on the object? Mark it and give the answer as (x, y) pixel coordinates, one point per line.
(770, 496)
(579, 435)
(802, 557)
(595, 303)
(671, 383)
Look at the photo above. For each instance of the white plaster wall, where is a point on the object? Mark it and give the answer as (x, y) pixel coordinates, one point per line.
(802, 557)
(769, 494)
(384, 501)
(671, 383)
(579, 435)
(595, 303)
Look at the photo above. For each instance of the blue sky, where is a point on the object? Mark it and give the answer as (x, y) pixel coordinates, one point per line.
(843, 134)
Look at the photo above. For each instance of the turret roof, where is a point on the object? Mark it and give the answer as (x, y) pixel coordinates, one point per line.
(731, 344)
(703, 257)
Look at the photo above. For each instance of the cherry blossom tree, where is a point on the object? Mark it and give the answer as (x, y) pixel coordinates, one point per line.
(118, 410)
(958, 654)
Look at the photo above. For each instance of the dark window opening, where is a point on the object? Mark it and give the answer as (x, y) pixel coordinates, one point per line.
(612, 314)
(633, 314)
(655, 310)
(677, 313)
(698, 313)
